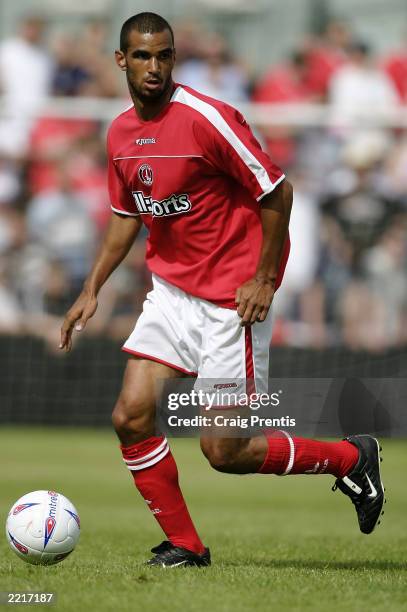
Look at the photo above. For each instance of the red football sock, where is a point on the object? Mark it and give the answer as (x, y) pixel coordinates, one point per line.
(156, 477)
(290, 455)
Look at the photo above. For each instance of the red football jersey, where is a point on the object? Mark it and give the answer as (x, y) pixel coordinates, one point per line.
(196, 174)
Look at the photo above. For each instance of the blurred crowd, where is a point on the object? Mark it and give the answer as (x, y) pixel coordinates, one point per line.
(346, 281)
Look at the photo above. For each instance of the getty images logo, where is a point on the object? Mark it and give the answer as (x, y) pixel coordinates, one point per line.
(144, 141)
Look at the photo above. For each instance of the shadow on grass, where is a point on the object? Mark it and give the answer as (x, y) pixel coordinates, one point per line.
(311, 564)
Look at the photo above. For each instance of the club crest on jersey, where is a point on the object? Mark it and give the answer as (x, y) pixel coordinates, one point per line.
(173, 205)
(145, 174)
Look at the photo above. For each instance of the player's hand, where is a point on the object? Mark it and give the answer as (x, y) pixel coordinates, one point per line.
(76, 318)
(253, 300)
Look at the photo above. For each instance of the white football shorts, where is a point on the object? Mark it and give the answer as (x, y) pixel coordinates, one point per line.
(201, 339)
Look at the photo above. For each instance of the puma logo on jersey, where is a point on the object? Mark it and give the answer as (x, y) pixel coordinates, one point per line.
(174, 205)
(143, 141)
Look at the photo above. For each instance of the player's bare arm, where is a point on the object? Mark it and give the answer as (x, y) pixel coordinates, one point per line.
(120, 235)
(254, 297)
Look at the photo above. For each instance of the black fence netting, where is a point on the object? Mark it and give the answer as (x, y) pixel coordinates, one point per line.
(39, 386)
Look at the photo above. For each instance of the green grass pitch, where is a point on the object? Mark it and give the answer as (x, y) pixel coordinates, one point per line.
(277, 543)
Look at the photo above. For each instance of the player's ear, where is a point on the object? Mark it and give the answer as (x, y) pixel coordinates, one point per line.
(120, 59)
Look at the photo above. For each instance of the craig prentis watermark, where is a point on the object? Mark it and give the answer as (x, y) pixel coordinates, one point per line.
(225, 421)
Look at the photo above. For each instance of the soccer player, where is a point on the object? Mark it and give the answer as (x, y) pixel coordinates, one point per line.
(217, 210)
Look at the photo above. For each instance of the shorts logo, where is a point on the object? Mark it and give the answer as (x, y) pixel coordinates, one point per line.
(144, 141)
(174, 205)
(145, 174)
(224, 385)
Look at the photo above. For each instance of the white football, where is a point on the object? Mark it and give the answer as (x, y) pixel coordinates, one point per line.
(43, 527)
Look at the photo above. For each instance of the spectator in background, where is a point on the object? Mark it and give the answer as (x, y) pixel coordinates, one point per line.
(9, 181)
(324, 55)
(99, 65)
(385, 268)
(82, 65)
(215, 73)
(396, 169)
(25, 81)
(69, 77)
(58, 220)
(283, 84)
(297, 306)
(189, 35)
(395, 66)
(87, 167)
(360, 90)
(52, 139)
(12, 239)
(357, 204)
(11, 313)
(360, 248)
(374, 305)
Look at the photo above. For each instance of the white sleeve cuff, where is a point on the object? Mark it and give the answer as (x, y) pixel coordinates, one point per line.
(272, 187)
(124, 212)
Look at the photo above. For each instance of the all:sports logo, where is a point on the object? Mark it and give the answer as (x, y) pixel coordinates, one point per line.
(174, 205)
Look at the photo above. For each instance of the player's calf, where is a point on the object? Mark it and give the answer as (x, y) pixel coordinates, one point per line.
(220, 456)
(234, 455)
(133, 420)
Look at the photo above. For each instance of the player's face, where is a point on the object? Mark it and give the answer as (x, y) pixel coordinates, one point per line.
(148, 63)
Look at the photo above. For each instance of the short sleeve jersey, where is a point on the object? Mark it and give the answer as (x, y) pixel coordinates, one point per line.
(196, 175)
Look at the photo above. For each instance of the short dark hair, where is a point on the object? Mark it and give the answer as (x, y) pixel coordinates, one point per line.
(360, 46)
(146, 23)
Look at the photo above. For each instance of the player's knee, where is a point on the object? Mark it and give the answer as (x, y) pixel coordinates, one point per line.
(219, 456)
(132, 418)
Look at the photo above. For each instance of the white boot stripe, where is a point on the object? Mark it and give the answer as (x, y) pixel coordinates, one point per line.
(352, 485)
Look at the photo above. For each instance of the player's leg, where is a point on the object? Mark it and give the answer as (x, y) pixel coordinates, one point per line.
(148, 456)
(280, 452)
(355, 462)
(158, 342)
(236, 356)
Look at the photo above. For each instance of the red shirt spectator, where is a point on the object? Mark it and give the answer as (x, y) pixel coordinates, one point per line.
(322, 63)
(396, 68)
(51, 139)
(283, 84)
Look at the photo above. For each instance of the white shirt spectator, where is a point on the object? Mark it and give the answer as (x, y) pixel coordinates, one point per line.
(25, 81)
(25, 74)
(228, 85)
(360, 91)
